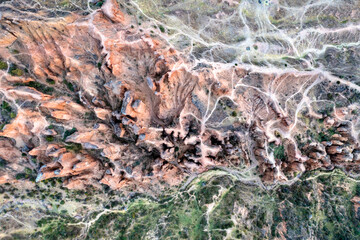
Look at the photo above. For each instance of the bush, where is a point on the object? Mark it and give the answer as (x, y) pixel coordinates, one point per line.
(20, 176)
(5, 106)
(49, 138)
(69, 85)
(28, 171)
(2, 162)
(75, 147)
(162, 29)
(50, 81)
(3, 65)
(69, 132)
(16, 72)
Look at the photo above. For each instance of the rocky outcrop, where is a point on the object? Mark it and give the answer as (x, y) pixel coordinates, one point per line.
(95, 98)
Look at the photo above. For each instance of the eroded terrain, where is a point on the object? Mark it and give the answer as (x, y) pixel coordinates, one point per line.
(179, 119)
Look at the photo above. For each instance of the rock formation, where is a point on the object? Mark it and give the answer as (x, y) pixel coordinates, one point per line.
(93, 98)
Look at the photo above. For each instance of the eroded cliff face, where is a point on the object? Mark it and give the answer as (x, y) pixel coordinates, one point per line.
(97, 97)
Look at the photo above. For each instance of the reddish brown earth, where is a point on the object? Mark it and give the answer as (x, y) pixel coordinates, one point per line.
(128, 110)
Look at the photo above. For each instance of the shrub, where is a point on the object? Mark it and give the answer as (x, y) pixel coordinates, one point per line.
(16, 72)
(279, 152)
(49, 138)
(162, 29)
(69, 85)
(69, 132)
(3, 65)
(50, 81)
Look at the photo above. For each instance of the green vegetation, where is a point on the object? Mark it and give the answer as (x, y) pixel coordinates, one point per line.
(28, 171)
(354, 98)
(14, 51)
(162, 29)
(276, 21)
(279, 152)
(50, 81)
(325, 136)
(38, 86)
(69, 85)
(64, 3)
(7, 114)
(16, 72)
(330, 96)
(20, 176)
(27, 174)
(69, 132)
(3, 65)
(49, 138)
(75, 147)
(99, 3)
(2, 163)
(90, 115)
(57, 229)
(319, 205)
(5, 106)
(322, 137)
